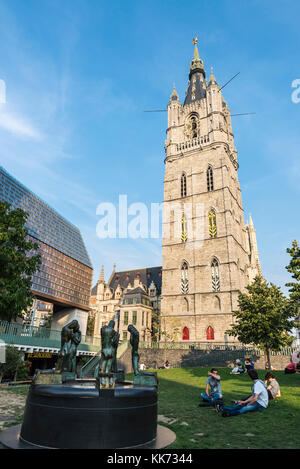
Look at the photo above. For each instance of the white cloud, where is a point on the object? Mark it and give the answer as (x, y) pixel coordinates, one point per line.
(18, 126)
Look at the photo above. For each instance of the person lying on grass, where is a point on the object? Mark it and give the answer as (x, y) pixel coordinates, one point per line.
(213, 392)
(259, 399)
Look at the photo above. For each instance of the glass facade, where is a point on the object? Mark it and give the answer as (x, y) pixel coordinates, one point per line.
(66, 271)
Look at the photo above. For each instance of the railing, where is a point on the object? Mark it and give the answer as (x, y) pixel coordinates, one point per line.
(25, 335)
(207, 346)
(193, 143)
(93, 362)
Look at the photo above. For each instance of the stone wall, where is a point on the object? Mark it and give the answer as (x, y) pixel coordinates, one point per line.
(187, 358)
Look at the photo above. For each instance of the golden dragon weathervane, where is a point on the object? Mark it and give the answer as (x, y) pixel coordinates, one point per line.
(195, 40)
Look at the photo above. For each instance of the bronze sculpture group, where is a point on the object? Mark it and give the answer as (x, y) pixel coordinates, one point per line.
(106, 372)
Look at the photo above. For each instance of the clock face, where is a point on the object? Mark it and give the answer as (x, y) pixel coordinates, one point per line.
(191, 128)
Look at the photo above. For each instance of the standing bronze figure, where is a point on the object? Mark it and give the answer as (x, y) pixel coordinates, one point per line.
(107, 365)
(134, 342)
(70, 339)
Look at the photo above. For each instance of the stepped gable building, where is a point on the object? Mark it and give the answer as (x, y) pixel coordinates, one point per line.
(129, 297)
(203, 272)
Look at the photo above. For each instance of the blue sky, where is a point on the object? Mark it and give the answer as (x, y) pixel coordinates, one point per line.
(79, 74)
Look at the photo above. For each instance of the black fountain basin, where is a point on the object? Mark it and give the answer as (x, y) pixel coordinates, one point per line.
(76, 416)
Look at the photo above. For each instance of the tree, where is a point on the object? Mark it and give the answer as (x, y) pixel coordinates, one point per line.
(18, 262)
(170, 332)
(294, 269)
(265, 317)
(13, 360)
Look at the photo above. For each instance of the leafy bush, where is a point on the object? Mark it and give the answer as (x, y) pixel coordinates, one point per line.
(13, 361)
(23, 371)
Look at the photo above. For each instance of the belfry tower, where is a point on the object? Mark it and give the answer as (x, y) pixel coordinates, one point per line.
(209, 253)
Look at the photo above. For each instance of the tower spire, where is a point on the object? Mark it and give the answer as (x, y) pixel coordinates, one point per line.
(196, 53)
(197, 85)
(101, 278)
(196, 64)
(174, 96)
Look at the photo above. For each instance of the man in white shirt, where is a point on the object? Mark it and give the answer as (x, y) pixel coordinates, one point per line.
(259, 399)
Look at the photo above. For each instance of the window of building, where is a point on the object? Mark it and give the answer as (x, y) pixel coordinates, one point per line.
(134, 317)
(143, 317)
(192, 124)
(104, 308)
(210, 335)
(185, 334)
(215, 275)
(183, 185)
(125, 318)
(184, 277)
(210, 179)
(124, 335)
(212, 224)
(184, 236)
(217, 303)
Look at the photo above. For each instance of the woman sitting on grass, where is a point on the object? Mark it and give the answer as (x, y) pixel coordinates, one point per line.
(273, 387)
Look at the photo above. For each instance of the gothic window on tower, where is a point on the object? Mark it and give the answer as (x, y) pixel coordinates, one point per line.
(215, 275)
(191, 129)
(212, 224)
(210, 179)
(183, 185)
(184, 236)
(184, 277)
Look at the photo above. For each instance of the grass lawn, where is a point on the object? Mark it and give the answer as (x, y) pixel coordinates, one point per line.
(276, 427)
(179, 394)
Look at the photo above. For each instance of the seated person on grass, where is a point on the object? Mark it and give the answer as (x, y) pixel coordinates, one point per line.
(239, 368)
(273, 387)
(249, 365)
(259, 399)
(213, 390)
(290, 368)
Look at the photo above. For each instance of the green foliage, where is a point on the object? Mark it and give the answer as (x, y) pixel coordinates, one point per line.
(83, 360)
(294, 269)
(265, 317)
(18, 262)
(23, 371)
(14, 360)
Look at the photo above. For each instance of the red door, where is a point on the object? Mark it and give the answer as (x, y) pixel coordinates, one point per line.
(210, 335)
(185, 334)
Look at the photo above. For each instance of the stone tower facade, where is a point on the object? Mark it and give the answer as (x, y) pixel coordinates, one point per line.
(209, 253)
